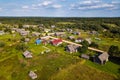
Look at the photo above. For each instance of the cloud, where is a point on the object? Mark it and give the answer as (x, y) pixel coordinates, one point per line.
(57, 6)
(1, 9)
(91, 5)
(45, 3)
(25, 7)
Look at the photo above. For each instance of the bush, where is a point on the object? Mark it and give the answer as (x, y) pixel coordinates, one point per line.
(2, 44)
(22, 47)
(93, 44)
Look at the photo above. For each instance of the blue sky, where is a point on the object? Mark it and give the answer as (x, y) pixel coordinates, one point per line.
(60, 8)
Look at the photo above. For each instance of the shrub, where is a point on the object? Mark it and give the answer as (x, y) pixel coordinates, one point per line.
(2, 44)
(22, 47)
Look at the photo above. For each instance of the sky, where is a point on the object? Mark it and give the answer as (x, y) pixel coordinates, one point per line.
(60, 8)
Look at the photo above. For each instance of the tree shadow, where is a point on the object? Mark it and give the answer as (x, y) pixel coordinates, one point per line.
(115, 60)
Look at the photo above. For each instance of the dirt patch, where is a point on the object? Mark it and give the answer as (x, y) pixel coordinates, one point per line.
(51, 56)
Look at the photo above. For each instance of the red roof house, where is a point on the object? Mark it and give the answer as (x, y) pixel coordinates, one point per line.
(56, 42)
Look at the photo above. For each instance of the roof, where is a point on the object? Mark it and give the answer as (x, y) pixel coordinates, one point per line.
(35, 33)
(56, 41)
(33, 75)
(2, 32)
(71, 37)
(27, 39)
(24, 33)
(79, 38)
(85, 56)
(104, 56)
(38, 41)
(27, 54)
(72, 48)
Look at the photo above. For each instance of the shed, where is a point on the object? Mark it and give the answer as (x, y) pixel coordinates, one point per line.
(103, 57)
(27, 54)
(85, 56)
(78, 40)
(38, 41)
(2, 32)
(32, 75)
(35, 33)
(72, 48)
(27, 39)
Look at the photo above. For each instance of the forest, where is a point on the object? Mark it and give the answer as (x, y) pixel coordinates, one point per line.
(110, 25)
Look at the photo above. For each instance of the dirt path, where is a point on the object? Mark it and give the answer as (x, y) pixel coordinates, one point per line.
(69, 42)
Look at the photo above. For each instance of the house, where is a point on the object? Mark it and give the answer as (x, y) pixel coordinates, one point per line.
(13, 30)
(69, 30)
(35, 34)
(18, 30)
(76, 33)
(71, 37)
(51, 34)
(103, 57)
(85, 56)
(27, 54)
(88, 40)
(34, 26)
(53, 26)
(27, 39)
(38, 41)
(32, 75)
(47, 30)
(44, 38)
(72, 48)
(2, 32)
(41, 26)
(26, 26)
(56, 42)
(93, 32)
(24, 33)
(79, 40)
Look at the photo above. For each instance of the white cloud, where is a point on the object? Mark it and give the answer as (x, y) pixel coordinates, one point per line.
(1, 9)
(57, 6)
(90, 4)
(45, 3)
(25, 7)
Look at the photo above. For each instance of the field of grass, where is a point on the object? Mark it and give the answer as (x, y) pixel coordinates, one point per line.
(46, 65)
(54, 65)
(109, 67)
(81, 72)
(65, 23)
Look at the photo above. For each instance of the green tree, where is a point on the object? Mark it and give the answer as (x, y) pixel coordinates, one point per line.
(20, 26)
(84, 47)
(2, 44)
(21, 47)
(93, 44)
(114, 51)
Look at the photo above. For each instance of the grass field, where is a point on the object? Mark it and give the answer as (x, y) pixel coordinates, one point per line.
(65, 23)
(81, 72)
(109, 67)
(54, 65)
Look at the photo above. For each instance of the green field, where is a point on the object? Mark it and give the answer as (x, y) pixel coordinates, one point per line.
(54, 65)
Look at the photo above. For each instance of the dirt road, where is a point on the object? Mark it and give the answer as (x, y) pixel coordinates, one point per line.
(69, 42)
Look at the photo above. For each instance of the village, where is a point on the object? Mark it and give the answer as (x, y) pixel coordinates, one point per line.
(37, 40)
